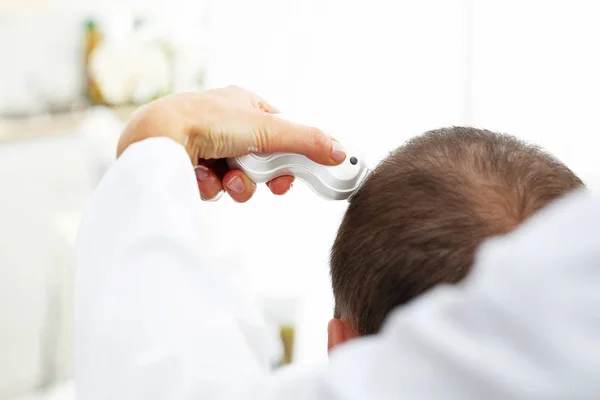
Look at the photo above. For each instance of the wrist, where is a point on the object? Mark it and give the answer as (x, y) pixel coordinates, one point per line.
(152, 120)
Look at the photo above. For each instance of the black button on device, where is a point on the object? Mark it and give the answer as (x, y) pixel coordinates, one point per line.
(353, 160)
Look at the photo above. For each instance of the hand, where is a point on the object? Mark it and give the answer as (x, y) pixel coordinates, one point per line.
(222, 123)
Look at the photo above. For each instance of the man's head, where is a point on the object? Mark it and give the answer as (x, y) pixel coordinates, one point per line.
(419, 218)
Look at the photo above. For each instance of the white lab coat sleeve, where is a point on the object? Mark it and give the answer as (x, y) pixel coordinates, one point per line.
(153, 313)
(156, 320)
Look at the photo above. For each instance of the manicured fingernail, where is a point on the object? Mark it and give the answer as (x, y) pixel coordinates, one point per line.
(201, 172)
(235, 184)
(337, 151)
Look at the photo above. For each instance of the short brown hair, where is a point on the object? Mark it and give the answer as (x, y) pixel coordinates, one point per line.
(419, 218)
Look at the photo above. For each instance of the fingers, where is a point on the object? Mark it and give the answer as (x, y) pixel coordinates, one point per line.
(277, 135)
(235, 183)
(208, 182)
(239, 186)
(281, 185)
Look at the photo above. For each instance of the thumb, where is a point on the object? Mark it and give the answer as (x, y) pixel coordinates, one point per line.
(279, 135)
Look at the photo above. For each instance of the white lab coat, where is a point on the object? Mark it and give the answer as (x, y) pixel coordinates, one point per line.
(156, 320)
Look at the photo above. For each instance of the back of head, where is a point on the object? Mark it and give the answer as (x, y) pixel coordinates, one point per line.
(419, 218)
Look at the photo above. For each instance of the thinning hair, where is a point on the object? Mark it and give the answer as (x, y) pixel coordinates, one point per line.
(420, 216)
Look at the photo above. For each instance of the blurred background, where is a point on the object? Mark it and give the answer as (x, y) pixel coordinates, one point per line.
(372, 73)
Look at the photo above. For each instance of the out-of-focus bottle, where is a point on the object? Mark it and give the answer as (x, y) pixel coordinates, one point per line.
(281, 313)
(288, 335)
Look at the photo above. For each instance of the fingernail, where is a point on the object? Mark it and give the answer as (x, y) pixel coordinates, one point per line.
(337, 151)
(201, 172)
(235, 184)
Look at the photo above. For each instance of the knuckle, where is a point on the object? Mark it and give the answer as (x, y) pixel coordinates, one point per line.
(260, 104)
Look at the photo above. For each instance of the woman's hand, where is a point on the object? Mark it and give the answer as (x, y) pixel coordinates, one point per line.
(222, 123)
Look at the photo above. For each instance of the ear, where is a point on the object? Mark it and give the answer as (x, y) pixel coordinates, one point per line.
(339, 331)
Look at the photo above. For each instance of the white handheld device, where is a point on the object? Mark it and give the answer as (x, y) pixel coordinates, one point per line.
(339, 182)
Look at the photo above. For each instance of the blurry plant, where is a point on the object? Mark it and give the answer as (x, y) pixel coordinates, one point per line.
(93, 38)
(134, 67)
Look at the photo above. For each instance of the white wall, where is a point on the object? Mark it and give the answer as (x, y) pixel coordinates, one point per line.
(43, 188)
(536, 75)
